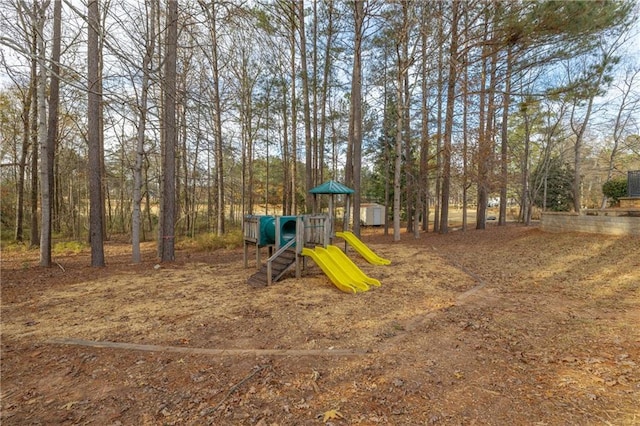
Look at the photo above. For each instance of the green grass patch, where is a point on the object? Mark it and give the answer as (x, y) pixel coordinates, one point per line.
(9, 246)
(210, 241)
(67, 248)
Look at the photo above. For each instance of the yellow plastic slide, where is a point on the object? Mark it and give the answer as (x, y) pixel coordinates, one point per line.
(336, 274)
(350, 267)
(362, 248)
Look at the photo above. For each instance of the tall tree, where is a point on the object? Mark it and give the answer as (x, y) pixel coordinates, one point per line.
(595, 78)
(52, 134)
(401, 35)
(354, 147)
(22, 164)
(305, 105)
(45, 177)
(424, 192)
(94, 134)
(448, 123)
(440, 96)
(466, 167)
(34, 235)
(147, 61)
(28, 99)
(328, 61)
(212, 13)
(504, 136)
(629, 102)
(408, 23)
(167, 233)
(486, 130)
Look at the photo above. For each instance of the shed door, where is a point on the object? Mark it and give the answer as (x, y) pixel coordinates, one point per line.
(377, 216)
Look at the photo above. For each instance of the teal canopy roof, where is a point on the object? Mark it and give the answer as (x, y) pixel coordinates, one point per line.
(331, 187)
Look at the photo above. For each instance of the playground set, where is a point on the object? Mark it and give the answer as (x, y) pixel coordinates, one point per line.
(290, 240)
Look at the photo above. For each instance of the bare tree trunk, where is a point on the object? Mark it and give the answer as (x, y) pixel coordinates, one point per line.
(147, 198)
(267, 143)
(306, 106)
(465, 142)
(355, 116)
(246, 126)
(194, 203)
(325, 90)
(386, 146)
(448, 124)
(212, 16)
(315, 153)
(484, 139)
(526, 196)
(579, 131)
(94, 131)
(45, 176)
(182, 173)
(22, 165)
(54, 102)
(218, 138)
(397, 172)
(465, 155)
(621, 122)
(35, 148)
(424, 136)
(286, 157)
(170, 139)
(35, 234)
(504, 143)
(410, 196)
(577, 151)
(293, 164)
(436, 218)
(136, 217)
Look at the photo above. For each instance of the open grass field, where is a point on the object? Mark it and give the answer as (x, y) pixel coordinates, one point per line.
(504, 326)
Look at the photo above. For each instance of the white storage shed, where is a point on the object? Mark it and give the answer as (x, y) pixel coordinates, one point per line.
(372, 214)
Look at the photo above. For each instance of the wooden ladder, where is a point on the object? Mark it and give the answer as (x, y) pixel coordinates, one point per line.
(279, 263)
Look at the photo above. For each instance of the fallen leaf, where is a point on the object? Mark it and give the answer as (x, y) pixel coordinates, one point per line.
(332, 415)
(315, 375)
(68, 405)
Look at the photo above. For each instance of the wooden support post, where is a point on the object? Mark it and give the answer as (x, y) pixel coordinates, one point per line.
(258, 262)
(278, 236)
(300, 241)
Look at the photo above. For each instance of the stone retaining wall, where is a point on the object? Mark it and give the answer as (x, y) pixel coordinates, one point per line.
(597, 222)
(630, 203)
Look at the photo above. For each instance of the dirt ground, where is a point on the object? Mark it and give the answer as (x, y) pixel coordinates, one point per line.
(504, 326)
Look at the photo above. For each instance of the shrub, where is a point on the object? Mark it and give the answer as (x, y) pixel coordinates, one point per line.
(68, 248)
(8, 245)
(614, 189)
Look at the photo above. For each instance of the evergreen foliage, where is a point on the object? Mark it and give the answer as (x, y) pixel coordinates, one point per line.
(557, 178)
(614, 189)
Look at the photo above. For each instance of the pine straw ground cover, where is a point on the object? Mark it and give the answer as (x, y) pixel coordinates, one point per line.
(504, 326)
